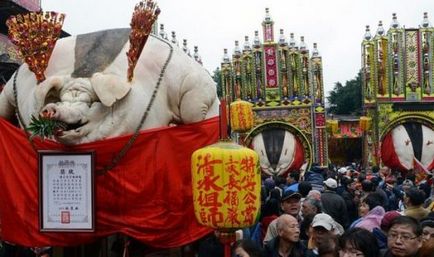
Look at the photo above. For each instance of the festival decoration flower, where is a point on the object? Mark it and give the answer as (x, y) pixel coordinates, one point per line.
(145, 14)
(35, 35)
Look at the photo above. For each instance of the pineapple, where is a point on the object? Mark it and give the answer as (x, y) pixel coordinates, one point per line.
(45, 127)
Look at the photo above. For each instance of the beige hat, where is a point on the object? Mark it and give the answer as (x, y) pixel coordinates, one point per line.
(331, 183)
(326, 221)
(323, 220)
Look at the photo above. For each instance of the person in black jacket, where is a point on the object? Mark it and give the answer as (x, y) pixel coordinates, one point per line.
(333, 204)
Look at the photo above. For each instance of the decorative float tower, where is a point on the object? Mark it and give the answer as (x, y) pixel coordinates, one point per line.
(284, 82)
(398, 94)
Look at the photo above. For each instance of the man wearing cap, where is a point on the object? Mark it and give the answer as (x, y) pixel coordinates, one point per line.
(333, 204)
(324, 227)
(287, 242)
(290, 205)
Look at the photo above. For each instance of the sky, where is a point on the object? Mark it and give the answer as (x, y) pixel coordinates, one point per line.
(337, 26)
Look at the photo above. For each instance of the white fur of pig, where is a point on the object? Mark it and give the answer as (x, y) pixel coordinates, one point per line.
(101, 103)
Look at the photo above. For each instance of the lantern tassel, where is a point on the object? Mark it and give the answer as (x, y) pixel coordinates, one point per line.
(227, 238)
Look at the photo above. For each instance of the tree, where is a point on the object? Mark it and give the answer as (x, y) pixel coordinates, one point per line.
(346, 99)
(218, 80)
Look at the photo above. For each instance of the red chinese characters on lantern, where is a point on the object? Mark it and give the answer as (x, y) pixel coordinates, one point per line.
(209, 182)
(233, 216)
(207, 167)
(232, 166)
(226, 186)
(215, 216)
(209, 199)
(249, 214)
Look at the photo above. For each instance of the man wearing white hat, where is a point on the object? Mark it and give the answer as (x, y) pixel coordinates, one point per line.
(333, 204)
(324, 230)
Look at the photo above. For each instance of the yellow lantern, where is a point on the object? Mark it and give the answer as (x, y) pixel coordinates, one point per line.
(365, 123)
(241, 116)
(333, 126)
(226, 186)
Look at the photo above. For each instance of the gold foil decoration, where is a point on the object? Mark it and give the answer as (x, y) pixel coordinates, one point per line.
(35, 35)
(144, 16)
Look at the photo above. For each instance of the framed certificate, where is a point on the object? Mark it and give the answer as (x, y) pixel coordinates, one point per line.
(66, 191)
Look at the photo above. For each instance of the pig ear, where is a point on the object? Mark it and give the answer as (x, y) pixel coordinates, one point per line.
(109, 88)
(51, 83)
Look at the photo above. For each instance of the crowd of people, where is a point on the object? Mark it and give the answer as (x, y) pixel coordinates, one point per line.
(343, 212)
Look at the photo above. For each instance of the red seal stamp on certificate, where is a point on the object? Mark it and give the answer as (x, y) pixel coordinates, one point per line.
(65, 217)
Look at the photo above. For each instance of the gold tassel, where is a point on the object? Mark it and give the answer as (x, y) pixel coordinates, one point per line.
(35, 35)
(144, 16)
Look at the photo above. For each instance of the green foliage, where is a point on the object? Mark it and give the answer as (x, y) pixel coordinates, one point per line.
(218, 80)
(346, 99)
(45, 127)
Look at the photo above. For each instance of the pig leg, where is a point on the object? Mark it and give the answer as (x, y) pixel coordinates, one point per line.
(7, 102)
(198, 98)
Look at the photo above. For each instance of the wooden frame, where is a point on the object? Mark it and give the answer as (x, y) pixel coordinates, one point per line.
(66, 191)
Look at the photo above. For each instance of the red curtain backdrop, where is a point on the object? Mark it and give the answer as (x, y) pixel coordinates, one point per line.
(148, 196)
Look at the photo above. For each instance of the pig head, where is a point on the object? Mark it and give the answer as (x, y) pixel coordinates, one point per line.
(86, 87)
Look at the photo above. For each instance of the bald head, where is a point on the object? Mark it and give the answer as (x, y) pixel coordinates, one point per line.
(288, 228)
(284, 220)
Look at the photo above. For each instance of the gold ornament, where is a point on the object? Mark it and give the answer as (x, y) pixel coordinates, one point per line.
(35, 35)
(145, 14)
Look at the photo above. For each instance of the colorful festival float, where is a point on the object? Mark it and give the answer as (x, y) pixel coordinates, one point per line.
(398, 94)
(108, 124)
(283, 82)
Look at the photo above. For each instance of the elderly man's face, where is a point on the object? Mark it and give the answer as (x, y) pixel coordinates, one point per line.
(308, 209)
(290, 231)
(402, 241)
(291, 206)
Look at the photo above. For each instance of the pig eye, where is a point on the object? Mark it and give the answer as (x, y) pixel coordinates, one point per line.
(52, 97)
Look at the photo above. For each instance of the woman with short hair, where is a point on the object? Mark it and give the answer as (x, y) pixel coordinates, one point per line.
(358, 242)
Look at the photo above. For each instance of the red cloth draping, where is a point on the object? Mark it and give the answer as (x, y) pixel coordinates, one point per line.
(298, 155)
(148, 196)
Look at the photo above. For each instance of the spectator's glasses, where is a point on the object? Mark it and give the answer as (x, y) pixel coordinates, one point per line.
(403, 237)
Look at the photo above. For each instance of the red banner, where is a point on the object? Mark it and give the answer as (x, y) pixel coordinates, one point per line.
(271, 67)
(148, 196)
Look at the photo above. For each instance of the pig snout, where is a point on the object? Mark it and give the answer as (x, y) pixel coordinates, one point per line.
(70, 113)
